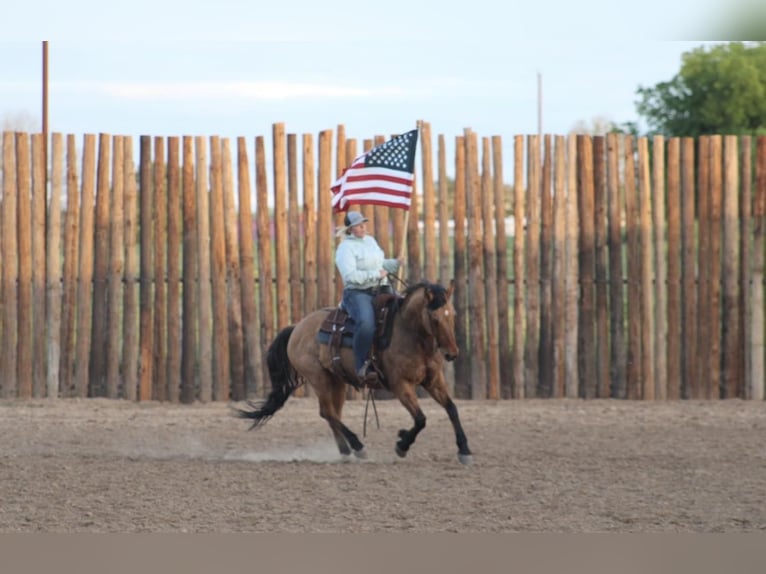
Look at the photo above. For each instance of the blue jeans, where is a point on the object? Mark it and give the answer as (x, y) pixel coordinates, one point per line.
(358, 304)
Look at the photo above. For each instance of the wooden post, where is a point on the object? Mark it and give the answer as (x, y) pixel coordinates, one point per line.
(205, 302)
(532, 257)
(131, 318)
(254, 382)
(85, 282)
(263, 236)
(587, 357)
(632, 221)
(603, 384)
(309, 226)
(572, 289)
(674, 317)
(175, 239)
(221, 354)
(160, 350)
(116, 269)
(689, 269)
(699, 385)
(69, 303)
(615, 207)
(325, 228)
(491, 313)
(501, 248)
(647, 289)
(294, 233)
(233, 278)
(477, 298)
(757, 339)
(660, 269)
(39, 196)
(190, 286)
(53, 272)
(545, 353)
(281, 241)
(25, 311)
(714, 389)
(558, 292)
(462, 363)
(732, 342)
(446, 272)
(309, 234)
(429, 204)
(146, 250)
(97, 360)
(519, 269)
(745, 255)
(446, 234)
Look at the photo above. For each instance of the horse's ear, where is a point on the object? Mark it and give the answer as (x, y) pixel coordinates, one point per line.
(428, 293)
(451, 288)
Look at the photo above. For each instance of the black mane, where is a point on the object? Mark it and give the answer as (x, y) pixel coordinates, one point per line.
(438, 291)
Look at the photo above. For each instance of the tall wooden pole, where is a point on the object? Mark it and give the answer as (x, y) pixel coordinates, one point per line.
(539, 104)
(45, 110)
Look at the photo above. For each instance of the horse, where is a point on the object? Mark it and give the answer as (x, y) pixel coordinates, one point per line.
(420, 339)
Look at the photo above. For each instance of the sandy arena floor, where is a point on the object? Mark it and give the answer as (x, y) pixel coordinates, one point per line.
(539, 466)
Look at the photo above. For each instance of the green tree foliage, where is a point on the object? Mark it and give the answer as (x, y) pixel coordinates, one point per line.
(719, 90)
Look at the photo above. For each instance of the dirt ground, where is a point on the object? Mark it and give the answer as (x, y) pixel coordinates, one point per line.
(539, 466)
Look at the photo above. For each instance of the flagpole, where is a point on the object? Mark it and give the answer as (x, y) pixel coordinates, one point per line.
(403, 250)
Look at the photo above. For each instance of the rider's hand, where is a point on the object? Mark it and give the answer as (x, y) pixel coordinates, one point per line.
(383, 273)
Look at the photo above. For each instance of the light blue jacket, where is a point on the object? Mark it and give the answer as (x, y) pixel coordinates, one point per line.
(359, 261)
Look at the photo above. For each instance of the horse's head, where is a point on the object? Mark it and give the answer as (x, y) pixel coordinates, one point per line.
(441, 316)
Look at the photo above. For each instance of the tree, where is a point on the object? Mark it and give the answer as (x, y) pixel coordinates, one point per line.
(719, 90)
(19, 122)
(598, 126)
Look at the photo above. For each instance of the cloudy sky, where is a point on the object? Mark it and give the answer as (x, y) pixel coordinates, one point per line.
(233, 68)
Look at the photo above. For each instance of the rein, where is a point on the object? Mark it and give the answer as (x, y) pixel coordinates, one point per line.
(371, 392)
(399, 279)
(370, 398)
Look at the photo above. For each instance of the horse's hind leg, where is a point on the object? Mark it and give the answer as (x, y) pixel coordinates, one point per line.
(437, 388)
(331, 397)
(339, 398)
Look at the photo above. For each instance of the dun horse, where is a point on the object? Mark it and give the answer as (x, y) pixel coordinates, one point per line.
(421, 336)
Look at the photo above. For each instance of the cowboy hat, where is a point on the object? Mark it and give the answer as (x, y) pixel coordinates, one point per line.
(352, 218)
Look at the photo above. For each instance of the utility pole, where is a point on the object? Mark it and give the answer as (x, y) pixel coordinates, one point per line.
(539, 104)
(45, 109)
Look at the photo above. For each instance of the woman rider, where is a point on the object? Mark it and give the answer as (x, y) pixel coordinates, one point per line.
(363, 268)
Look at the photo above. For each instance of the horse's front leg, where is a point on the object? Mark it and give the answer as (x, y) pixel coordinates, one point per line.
(406, 394)
(437, 388)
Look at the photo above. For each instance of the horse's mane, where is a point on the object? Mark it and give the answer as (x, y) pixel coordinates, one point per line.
(438, 291)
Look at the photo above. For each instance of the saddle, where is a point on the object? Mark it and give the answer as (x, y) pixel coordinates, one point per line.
(337, 331)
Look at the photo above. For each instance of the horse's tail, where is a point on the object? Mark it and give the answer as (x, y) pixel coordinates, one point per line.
(284, 380)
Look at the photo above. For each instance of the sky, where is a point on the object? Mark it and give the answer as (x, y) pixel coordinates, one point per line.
(234, 68)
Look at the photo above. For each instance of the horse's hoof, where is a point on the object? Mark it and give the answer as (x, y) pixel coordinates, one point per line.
(465, 458)
(361, 453)
(401, 452)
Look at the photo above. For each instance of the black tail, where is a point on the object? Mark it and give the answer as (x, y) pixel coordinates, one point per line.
(284, 380)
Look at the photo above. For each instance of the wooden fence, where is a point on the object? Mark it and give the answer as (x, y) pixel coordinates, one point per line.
(608, 267)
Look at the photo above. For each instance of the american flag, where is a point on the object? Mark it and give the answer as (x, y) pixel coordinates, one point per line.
(382, 176)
